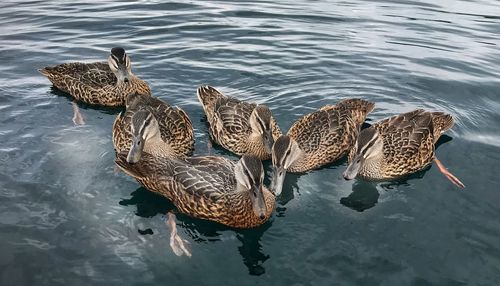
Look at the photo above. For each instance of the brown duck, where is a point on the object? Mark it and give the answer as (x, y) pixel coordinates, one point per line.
(398, 146)
(318, 138)
(153, 126)
(102, 83)
(209, 187)
(238, 126)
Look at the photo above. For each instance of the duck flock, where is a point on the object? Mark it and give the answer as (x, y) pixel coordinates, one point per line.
(154, 142)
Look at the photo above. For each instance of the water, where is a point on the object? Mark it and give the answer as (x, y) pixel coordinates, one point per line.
(67, 219)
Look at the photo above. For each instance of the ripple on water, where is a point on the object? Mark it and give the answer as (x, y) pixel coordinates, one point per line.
(66, 215)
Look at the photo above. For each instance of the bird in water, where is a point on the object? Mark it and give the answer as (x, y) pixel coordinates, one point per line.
(399, 146)
(317, 139)
(100, 83)
(207, 187)
(153, 126)
(238, 126)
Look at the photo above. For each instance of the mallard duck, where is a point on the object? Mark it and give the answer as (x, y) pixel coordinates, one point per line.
(98, 83)
(208, 187)
(317, 139)
(151, 125)
(238, 126)
(398, 146)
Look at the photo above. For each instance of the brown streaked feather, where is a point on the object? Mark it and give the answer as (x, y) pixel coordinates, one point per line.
(176, 129)
(409, 140)
(229, 122)
(202, 187)
(441, 122)
(328, 133)
(93, 83)
(207, 96)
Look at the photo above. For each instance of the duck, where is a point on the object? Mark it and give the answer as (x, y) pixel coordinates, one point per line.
(238, 126)
(398, 146)
(212, 188)
(318, 138)
(99, 83)
(151, 125)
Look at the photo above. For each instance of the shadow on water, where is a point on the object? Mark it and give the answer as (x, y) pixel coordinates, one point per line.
(365, 195)
(150, 204)
(105, 109)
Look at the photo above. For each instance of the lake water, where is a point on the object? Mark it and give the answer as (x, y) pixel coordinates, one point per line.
(66, 217)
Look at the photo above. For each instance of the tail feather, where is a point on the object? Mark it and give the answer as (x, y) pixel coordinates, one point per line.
(207, 95)
(149, 166)
(133, 170)
(357, 104)
(45, 71)
(441, 122)
(359, 108)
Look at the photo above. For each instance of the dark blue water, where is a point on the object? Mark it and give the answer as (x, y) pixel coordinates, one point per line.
(66, 218)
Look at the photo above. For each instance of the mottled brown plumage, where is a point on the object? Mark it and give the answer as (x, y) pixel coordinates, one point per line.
(176, 136)
(318, 138)
(208, 187)
(101, 83)
(327, 134)
(397, 146)
(238, 126)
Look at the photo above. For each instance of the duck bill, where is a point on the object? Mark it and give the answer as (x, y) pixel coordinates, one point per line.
(135, 152)
(258, 202)
(352, 170)
(268, 142)
(277, 180)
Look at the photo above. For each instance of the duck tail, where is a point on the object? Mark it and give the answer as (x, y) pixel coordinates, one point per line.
(138, 170)
(45, 71)
(441, 122)
(207, 95)
(358, 104)
(359, 108)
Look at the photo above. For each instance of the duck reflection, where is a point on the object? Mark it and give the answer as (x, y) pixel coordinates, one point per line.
(200, 231)
(148, 203)
(364, 196)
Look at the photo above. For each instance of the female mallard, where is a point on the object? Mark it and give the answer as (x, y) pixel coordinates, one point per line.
(317, 139)
(398, 146)
(151, 125)
(98, 83)
(209, 187)
(238, 126)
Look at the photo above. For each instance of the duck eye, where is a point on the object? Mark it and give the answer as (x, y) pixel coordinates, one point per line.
(138, 142)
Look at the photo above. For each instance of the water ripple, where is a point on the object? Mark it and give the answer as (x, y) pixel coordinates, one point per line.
(67, 216)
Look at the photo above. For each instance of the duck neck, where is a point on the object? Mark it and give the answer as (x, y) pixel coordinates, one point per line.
(300, 163)
(255, 146)
(241, 208)
(372, 167)
(157, 147)
(240, 200)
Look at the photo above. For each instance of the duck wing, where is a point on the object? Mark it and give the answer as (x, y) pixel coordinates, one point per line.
(408, 139)
(232, 116)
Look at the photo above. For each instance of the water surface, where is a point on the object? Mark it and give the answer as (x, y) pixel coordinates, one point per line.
(66, 218)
